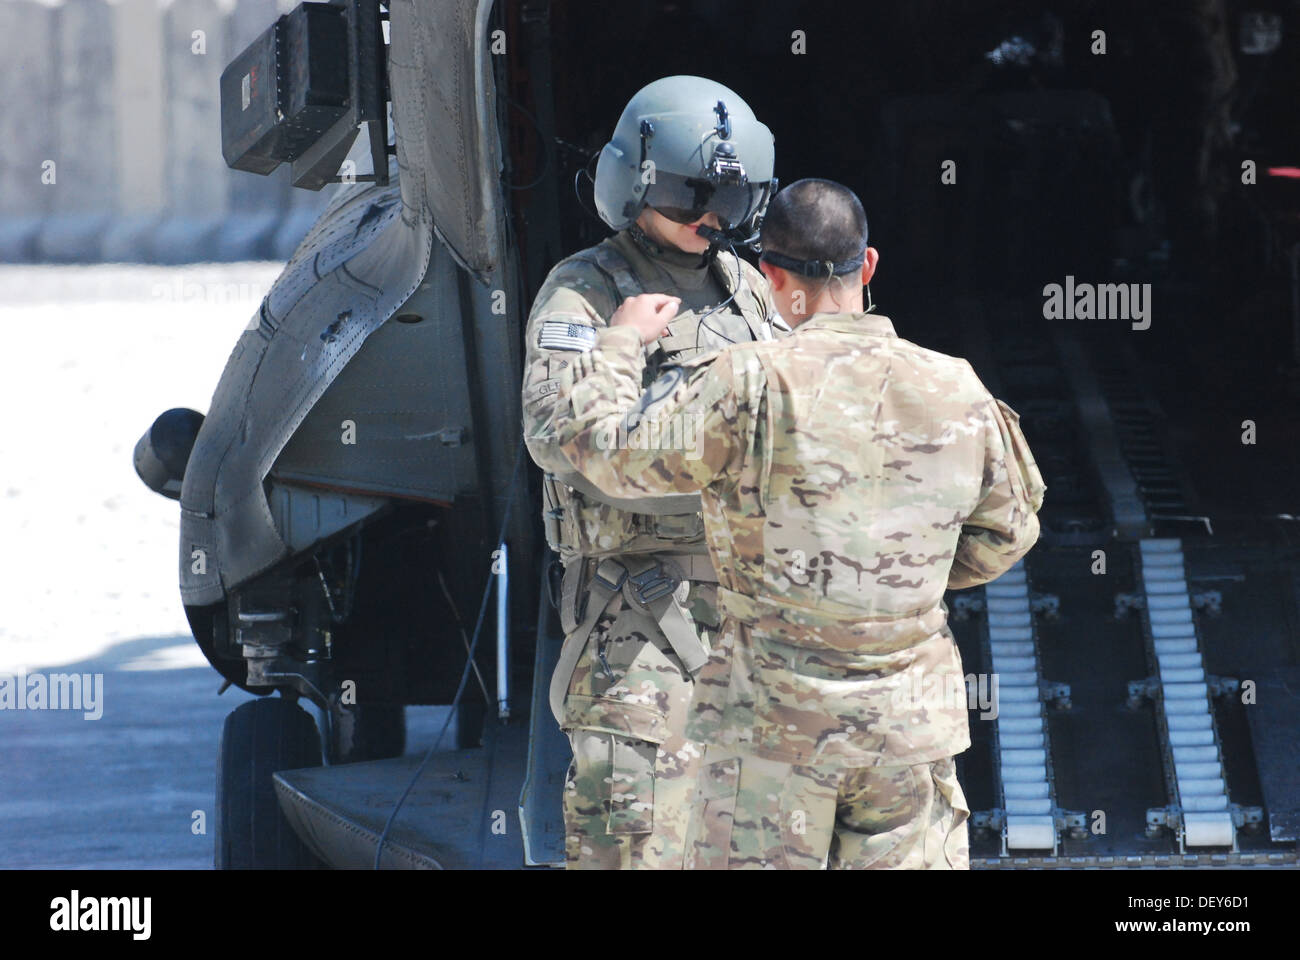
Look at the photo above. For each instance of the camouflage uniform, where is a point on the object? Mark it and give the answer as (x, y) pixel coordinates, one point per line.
(848, 477)
(638, 586)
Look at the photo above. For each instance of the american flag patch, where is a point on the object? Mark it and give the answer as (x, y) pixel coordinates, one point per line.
(562, 335)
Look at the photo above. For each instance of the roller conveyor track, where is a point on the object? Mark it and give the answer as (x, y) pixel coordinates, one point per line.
(1193, 758)
(1119, 437)
(1021, 744)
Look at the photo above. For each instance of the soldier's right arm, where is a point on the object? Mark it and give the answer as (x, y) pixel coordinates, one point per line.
(574, 304)
(1004, 525)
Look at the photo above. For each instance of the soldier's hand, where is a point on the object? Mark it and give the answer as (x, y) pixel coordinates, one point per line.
(650, 313)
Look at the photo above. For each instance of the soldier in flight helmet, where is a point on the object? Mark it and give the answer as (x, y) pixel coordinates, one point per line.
(683, 180)
(849, 477)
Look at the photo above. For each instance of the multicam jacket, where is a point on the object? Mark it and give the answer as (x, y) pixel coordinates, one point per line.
(575, 303)
(848, 478)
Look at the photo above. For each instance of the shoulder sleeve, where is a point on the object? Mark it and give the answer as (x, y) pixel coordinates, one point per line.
(1004, 524)
(574, 304)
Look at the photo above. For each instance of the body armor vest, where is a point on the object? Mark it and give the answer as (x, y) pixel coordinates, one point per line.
(578, 518)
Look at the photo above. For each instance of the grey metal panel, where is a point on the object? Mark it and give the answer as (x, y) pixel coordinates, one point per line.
(304, 517)
(499, 352)
(447, 820)
(541, 816)
(355, 268)
(447, 141)
(337, 836)
(278, 371)
(1274, 731)
(407, 394)
(449, 151)
(200, 577)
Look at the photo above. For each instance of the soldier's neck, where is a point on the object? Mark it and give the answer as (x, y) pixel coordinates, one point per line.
(827, 304)
(669, 255)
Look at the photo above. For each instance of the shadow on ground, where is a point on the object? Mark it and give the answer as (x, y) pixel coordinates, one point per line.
(122, 791)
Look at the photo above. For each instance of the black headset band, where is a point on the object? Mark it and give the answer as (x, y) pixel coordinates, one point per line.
(811, 268)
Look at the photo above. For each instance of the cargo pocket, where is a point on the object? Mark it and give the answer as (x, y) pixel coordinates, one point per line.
(632, 786)
(708, 837)
(879, 823)
(685, 528)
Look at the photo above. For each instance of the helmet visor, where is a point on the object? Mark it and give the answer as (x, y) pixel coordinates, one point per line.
(688, 199)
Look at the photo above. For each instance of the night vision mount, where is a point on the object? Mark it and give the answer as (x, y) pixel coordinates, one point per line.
(300, 92)
(725, 167)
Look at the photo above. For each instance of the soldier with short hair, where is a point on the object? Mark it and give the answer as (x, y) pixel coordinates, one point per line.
(686, 175)
(848, 478)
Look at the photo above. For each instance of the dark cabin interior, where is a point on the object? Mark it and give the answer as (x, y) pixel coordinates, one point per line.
(1117, 167)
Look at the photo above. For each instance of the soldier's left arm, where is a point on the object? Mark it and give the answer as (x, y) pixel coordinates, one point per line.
(686, 431)
(570, 309)
(1004, 525)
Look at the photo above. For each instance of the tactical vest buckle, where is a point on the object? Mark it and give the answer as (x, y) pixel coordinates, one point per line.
(652, 583)
(606, 570)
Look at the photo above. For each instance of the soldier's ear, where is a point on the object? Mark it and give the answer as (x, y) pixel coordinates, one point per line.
(870, 258)
(775, 275)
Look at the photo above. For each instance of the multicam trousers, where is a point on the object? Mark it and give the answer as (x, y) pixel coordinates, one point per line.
(629, 786)
(752, 813)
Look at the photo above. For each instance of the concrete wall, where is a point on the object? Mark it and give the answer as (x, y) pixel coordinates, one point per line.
(110, 140)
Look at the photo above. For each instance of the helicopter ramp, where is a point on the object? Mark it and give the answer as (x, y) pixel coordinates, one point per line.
(459, 815)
